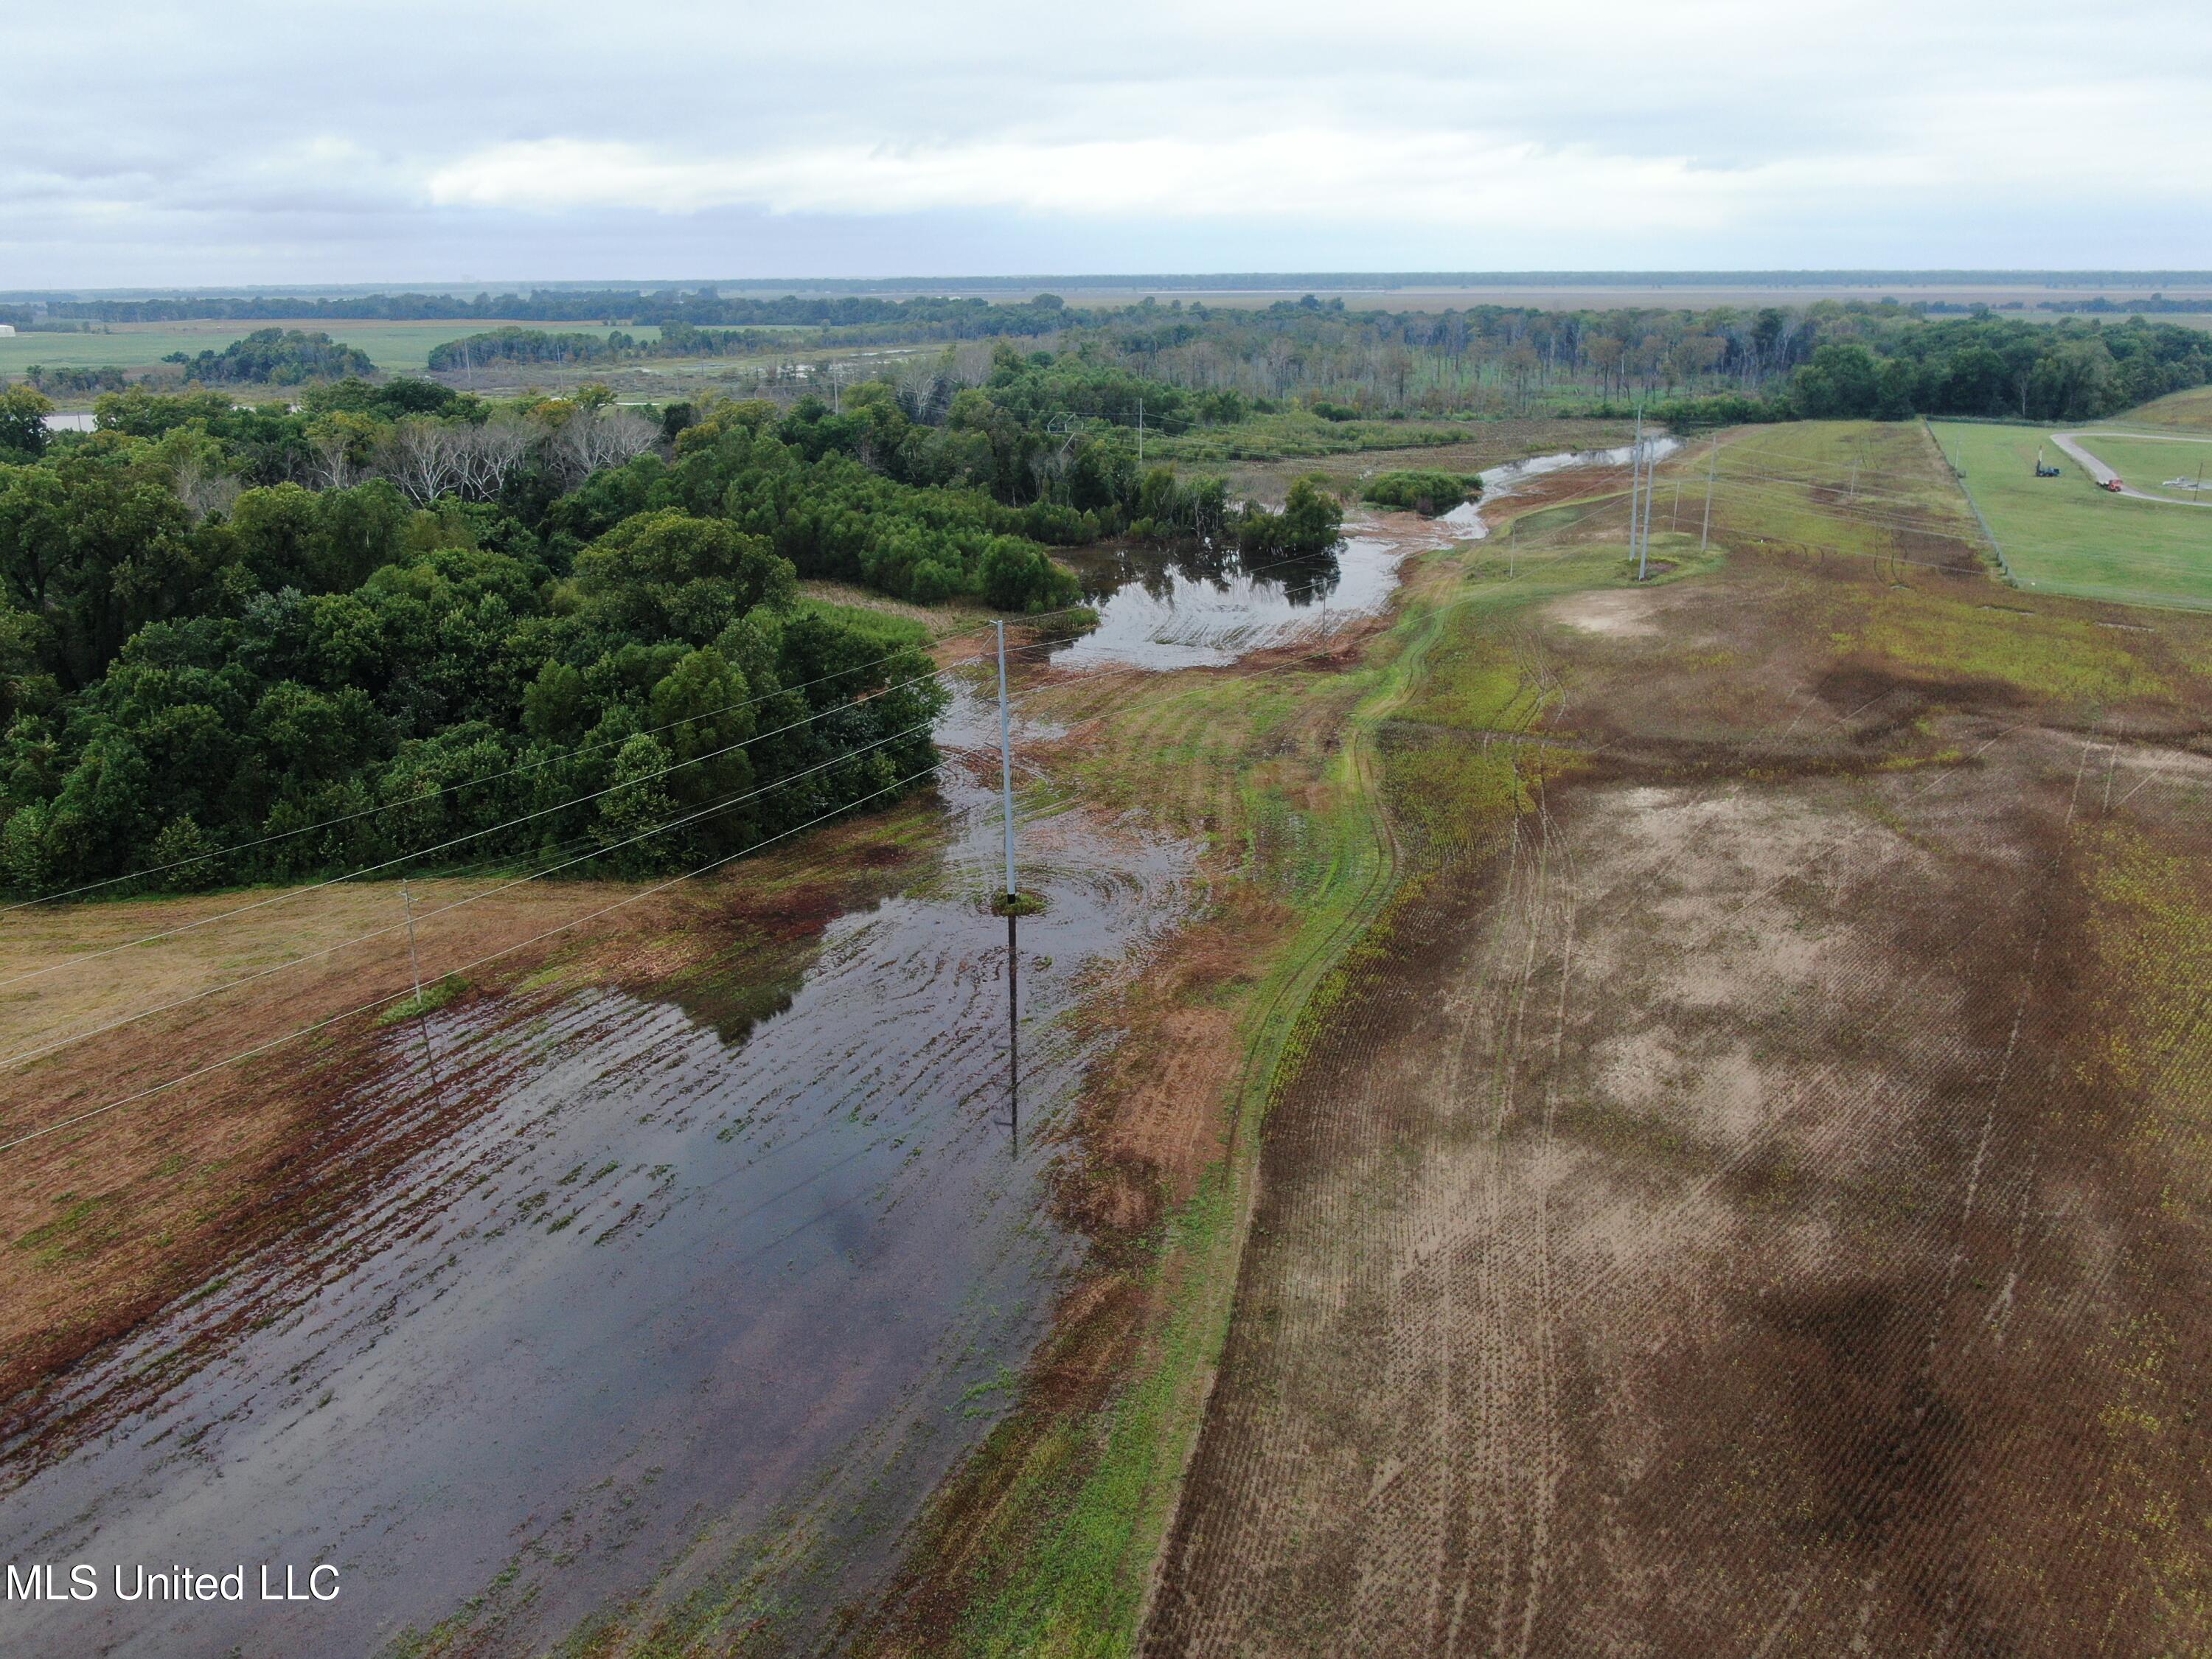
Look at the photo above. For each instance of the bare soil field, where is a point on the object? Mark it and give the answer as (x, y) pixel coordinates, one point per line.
(1753, 1194)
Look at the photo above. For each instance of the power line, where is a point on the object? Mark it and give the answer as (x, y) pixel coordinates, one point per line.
(489, 830)
(597, 851)
(363, 938)
(263, 1048)
(571, 754)
(305, 1030)
(489, 777)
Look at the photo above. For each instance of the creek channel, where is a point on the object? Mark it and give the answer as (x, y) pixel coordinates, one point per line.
(1465, 522)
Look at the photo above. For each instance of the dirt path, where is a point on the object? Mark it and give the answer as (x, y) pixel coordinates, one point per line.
(2104, 474)
(1719, 1222)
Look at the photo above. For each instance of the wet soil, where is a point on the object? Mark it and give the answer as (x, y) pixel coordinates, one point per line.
(703, 1292)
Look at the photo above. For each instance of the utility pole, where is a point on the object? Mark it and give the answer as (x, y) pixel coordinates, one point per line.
(1140, 432)
(1644, 539)
(1013, 947)
(1638, 494)
(1006, 762)
(1635, 478)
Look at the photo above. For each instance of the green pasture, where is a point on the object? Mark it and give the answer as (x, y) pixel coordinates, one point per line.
(2064, 535)
(2179, 411)
(395, 348)
(2154, 463)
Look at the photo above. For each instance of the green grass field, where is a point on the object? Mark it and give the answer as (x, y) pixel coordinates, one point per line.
(2064, 535)
(2153, 464)
(395, 348)
(2179, 411)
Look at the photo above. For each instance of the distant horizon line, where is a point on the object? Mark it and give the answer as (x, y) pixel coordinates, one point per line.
(1290, 282)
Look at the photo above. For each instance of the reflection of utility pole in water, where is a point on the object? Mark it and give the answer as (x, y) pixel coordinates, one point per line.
(421, 1013)
(1013, 944)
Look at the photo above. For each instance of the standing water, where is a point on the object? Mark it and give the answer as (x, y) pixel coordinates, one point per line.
(1200, 607)
(681, 1313)
(676, 1312)
(1500, 482)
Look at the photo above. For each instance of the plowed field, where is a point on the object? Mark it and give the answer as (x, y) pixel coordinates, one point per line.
(1753, 1194)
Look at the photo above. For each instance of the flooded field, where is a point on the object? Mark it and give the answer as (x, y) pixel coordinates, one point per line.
(1466, 523)
(690, 1313)
(679, 1310)
(1198, 607)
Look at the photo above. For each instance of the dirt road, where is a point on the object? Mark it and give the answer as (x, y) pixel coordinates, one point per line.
(2103, 474)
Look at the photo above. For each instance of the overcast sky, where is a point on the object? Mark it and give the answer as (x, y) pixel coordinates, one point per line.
(387, 142)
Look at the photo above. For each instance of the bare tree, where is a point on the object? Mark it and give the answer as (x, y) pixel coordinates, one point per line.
(203, 487)
(423, 456)
(338, 448)
(489, 455)
(589, 440)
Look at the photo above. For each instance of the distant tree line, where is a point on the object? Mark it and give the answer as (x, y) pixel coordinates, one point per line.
(271, 357)
(928, 317)
(1769, 362)
(513, 345)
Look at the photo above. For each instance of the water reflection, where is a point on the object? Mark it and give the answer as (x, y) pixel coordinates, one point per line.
(1199, 606)
(1465, 522)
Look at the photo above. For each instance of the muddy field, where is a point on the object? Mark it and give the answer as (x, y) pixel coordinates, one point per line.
(637, 1297)
(1614, 1119)
(1755, 1197)
(643, 1297)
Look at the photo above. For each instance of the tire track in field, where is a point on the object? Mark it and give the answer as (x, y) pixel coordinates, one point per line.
(1527, 909)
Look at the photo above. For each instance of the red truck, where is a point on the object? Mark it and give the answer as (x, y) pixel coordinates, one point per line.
(2112, 484)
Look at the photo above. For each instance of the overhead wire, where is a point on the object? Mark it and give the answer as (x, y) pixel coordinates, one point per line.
(487, 777)
(78, 958)
(361, 938)
(263, 1048)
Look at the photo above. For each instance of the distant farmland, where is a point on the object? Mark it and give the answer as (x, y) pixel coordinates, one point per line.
(2064, 535)
(395, 348)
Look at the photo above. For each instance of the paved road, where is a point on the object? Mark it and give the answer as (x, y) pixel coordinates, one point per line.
(2097, 470)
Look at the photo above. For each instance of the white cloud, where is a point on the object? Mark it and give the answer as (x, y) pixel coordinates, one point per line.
(688, 137)
(1325, 174)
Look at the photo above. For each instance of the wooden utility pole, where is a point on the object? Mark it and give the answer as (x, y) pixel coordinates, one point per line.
(1006, 762)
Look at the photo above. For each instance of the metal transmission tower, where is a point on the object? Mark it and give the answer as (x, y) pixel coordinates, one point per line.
(1639, 495)
(1712, 472)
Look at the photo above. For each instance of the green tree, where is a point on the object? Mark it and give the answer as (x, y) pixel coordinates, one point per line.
(670, 575)
(22, 424)
(1313, 517)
